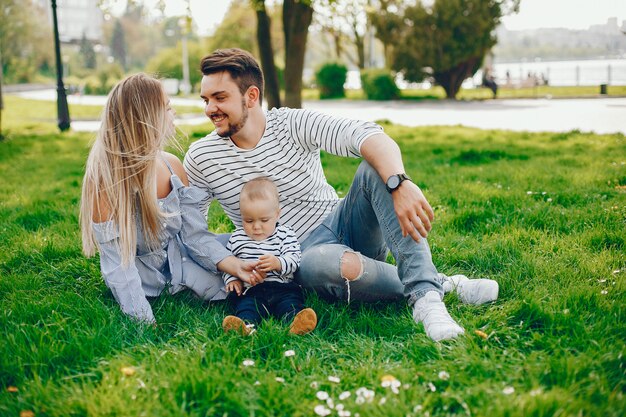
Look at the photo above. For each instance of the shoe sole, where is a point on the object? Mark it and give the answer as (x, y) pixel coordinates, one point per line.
(235, 324)
(304, 322)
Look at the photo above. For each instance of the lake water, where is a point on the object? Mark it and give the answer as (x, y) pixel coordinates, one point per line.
(558, 73)
(566, 73)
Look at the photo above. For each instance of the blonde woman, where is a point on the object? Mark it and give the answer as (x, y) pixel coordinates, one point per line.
(138, 211)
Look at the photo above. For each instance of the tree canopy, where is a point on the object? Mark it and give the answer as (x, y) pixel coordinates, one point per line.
(447, 40)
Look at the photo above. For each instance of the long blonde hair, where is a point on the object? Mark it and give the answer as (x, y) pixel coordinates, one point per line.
(120, 175)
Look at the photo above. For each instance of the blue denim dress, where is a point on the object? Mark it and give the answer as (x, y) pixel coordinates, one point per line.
(187, 256)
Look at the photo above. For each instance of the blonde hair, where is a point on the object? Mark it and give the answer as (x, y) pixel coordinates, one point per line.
(120, 175)
(260, 188)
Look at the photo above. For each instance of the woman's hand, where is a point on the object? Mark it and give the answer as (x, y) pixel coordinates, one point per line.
(246, 271)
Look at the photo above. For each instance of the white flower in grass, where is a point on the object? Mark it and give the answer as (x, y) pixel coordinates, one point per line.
(549, 200)
(281, 380)
(314, 385)
(601, 281)
(320, 410)
(604, 292)
(344, 413)
(334, 379)
(344, 395)
(432, 387)
(290, 353)
(330, 403)
(444, 376)
(322, 395)
(382, 401)
(535, 392)
(529, 192)
(508, 390)
(257, 382)
(248, 362)
(617, 271)
(364, 395)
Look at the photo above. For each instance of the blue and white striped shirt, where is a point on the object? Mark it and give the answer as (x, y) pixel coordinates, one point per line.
(288, 154)
(282, 244)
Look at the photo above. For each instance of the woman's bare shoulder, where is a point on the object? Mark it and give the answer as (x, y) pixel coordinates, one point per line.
(101, 210)
(177, 166)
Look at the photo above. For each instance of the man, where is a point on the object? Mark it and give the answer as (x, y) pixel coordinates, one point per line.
(344, 242)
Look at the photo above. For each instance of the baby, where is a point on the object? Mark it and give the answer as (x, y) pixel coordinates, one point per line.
(277, 251)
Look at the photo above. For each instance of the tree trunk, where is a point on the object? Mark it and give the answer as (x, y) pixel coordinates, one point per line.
(297, 17)
(452, 79)
(359, 41)
(266, 50)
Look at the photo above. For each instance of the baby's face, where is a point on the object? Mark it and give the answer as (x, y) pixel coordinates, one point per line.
(259, 218)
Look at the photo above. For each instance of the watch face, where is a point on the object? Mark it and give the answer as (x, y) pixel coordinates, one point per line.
(393, 182)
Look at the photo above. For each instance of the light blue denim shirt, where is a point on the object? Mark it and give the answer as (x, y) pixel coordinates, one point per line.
(186, 258)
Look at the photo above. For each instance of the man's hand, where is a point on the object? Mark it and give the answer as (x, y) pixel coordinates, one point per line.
(413, 211)
(235, 285)
(268, 263)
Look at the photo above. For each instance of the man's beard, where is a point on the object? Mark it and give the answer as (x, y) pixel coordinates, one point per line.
(234, 128)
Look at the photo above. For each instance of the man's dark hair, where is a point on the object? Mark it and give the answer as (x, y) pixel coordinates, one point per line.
(241, 66)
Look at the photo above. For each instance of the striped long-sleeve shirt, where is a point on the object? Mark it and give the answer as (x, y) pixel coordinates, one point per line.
(282, 244)
(289, 154)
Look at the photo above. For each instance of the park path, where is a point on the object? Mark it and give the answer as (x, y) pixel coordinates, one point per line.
(600, 115)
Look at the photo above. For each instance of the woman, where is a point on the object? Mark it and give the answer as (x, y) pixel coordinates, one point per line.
(138, 211)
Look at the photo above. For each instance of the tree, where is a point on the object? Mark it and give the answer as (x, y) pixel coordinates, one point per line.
(118, 44)
(25, 41)
(448, 40)
(297, 17)
(346, 23)
(388, 21)
(87, 52)
(266, 50)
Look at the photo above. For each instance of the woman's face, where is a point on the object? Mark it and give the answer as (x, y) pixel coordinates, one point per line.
(170, 114)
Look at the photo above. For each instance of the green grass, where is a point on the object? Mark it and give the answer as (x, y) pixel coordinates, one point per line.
(543, 214)
(23, 114)
(437, 92)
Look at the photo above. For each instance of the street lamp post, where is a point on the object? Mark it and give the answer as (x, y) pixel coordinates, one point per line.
(63, 112)
(185, 26)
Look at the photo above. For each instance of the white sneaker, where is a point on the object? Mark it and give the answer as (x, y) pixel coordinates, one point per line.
(438, 324)
(471, 291)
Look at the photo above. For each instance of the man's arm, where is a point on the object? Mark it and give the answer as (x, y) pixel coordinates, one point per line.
(413, 211)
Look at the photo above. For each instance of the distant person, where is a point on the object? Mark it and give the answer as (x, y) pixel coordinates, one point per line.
(344, 241)
(490, 82)
(138, 211)
(276, 252)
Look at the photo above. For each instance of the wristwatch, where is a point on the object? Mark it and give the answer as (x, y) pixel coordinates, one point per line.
(394, 181)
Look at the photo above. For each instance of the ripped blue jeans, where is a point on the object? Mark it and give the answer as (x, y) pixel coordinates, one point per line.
(365, 223)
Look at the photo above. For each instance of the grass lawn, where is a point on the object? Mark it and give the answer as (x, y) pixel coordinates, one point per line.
(437, 92)
(543, 214)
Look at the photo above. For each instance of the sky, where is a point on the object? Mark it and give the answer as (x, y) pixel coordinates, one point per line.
(533, 14)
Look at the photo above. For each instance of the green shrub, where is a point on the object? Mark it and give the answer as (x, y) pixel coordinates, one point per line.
(379, 84)
(330, 80)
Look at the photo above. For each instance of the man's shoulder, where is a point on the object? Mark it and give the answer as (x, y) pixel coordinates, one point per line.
(212, 142)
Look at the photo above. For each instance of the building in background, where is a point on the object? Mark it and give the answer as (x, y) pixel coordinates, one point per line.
(76, 17)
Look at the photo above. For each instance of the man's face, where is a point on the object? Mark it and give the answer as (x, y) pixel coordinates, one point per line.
(259, 218)
(224, 103)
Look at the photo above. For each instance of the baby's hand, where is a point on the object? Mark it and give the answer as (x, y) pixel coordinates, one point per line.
(236, 286)
(268, 263)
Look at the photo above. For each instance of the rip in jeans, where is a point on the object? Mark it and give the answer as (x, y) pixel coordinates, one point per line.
(359, 275)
